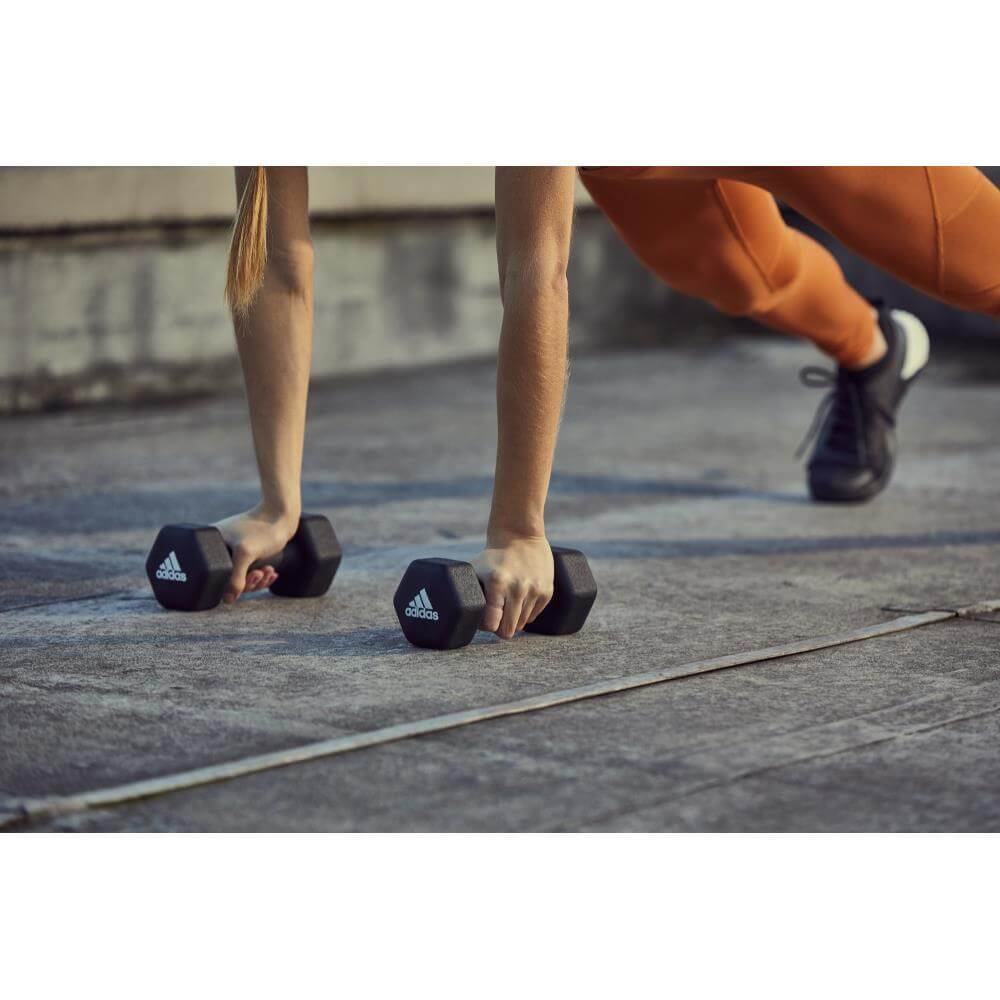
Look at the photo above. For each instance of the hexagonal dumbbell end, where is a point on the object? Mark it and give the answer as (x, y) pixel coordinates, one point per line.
(309, 562)
(188, 566)
(439, 603)
(573, 597)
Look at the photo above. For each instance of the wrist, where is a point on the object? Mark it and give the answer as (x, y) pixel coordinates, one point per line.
(501, 535)
(283, 513)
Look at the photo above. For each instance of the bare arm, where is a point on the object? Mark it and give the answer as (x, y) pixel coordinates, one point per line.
(534, 207)
(274, 341)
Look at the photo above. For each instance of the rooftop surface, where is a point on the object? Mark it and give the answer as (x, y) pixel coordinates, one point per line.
(675, 473)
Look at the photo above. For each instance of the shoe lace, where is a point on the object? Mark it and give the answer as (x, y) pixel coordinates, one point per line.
(844, 406)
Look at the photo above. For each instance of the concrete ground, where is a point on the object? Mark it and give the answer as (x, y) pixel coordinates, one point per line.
(675, 473)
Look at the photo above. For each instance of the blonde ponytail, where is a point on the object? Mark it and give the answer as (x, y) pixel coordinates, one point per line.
(248, 250)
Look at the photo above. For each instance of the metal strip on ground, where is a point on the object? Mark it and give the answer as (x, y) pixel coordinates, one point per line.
(31, 810)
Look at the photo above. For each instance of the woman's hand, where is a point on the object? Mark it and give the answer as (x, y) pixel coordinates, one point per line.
(251, 536)
(517, 575)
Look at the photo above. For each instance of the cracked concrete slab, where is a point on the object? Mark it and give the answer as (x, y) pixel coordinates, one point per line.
(674, 473)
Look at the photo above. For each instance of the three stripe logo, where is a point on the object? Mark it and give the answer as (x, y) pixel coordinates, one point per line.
(421, 607)
(170, 569)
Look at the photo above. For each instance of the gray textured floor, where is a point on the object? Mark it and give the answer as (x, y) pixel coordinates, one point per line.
(675, 473)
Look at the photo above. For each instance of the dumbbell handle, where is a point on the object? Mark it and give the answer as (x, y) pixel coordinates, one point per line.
(289, 558)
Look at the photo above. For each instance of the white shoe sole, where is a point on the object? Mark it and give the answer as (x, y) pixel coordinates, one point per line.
(918, 344)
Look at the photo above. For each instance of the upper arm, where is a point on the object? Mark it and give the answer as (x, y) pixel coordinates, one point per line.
(534, 211)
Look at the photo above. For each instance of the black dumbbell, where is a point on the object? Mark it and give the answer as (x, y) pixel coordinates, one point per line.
(189, 564)
(440, 602)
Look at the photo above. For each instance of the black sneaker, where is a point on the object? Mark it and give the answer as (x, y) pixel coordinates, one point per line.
(856, 444)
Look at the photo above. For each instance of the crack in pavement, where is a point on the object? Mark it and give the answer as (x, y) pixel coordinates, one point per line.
(800, 758)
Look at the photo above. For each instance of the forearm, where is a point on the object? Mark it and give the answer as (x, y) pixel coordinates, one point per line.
(531, 382)
(534, 219)
(274, 341)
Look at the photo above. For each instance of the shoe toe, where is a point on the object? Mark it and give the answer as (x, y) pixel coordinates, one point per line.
(842, 482)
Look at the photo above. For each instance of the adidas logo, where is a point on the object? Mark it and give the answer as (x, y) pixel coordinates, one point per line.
(420, 607)
(170, 569)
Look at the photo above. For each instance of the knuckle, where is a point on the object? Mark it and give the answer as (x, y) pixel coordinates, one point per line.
(242, 550)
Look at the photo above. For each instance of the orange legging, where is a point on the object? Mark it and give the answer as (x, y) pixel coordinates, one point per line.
(716, 233)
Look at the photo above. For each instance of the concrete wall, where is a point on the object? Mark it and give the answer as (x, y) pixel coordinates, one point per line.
(44, 198)
(111, 277)
(138, 315)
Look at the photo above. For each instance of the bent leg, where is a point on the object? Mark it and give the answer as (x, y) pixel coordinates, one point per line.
(725, 242)
(936, 228)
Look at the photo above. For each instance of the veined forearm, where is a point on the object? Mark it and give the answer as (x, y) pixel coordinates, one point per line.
(275, 347)
(531, 381)
(534, 207)
(269, 289)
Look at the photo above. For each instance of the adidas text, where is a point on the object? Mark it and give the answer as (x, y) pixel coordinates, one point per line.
(170, 569)
(420, 607)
